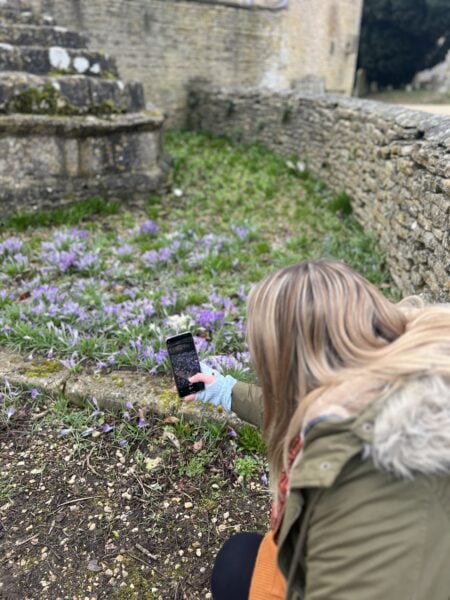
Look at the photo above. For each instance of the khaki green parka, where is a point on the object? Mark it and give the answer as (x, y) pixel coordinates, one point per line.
(368, 510)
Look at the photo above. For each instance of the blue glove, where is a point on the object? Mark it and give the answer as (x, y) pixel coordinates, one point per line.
(219, 391)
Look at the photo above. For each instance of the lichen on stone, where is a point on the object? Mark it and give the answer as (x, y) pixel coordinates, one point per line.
(43, 368)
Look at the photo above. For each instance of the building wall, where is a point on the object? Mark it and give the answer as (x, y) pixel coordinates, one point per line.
(393, 162)
(263, 43)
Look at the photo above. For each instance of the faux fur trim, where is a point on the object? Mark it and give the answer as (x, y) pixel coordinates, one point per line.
(412, 429)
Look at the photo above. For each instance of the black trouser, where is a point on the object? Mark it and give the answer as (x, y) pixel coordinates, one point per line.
(233, 567)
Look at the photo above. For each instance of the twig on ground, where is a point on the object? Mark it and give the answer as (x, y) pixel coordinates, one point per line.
(88, 464)
(38, 416)
(146, 552)
(22, 542)
(144, 562)
(138, 479)
(75, 500)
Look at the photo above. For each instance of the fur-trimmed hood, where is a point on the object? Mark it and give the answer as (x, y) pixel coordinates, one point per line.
(411, 431)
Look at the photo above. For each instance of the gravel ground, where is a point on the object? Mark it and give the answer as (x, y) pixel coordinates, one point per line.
(86, 518)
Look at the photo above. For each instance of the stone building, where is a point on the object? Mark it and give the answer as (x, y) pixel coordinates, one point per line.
(272, 44)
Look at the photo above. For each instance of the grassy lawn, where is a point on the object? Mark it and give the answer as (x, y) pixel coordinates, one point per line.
(109, 285)
(123, 504)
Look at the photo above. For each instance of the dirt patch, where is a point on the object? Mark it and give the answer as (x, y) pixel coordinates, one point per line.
(141, 517)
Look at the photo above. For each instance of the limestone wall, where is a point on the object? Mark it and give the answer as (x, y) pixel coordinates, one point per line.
(263, 43)
(50, 161)
(393, 162)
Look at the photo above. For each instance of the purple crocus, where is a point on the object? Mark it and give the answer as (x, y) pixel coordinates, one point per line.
(151, 257)
(149, 227)
(34, 393)
(160, 356)
(65, 432)
(10, 246)
(164, 254)
(107, 428)
(10, 412)
(125, 250)
(208, 318)
(241, 232)
(142, 423)
(264, 479)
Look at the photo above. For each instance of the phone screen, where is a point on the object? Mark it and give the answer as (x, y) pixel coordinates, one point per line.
(184, 359)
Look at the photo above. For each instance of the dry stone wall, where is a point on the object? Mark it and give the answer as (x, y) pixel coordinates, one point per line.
(393, 162)
(272, 44)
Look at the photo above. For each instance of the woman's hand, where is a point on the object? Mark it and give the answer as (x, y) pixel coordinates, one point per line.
(197, 378)
(217, 387)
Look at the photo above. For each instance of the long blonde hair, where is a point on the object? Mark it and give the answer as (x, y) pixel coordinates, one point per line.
(317, 324)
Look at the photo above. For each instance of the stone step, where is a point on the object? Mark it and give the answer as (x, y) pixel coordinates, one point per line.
(41, 61)
(23, 14)
(42, 35)
(69, 94)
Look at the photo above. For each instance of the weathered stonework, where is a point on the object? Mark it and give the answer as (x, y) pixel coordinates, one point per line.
(69, 127)
(393, 162)
(47, 161)
(111, 390)
(269, 44)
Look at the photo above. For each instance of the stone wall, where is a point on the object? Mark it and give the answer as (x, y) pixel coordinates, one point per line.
(393, 162)
(51, 161)
(272, 44)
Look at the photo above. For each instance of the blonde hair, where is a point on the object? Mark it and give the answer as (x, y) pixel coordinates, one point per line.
(317, 324)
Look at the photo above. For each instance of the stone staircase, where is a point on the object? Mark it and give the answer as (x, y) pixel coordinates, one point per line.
(69, 126)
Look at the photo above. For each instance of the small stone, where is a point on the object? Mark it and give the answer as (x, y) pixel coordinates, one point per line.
(92, 526)
(94, 566)
(198, 552)
(188, 505)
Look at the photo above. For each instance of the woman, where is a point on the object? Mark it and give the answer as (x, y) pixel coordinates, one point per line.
(356, 397)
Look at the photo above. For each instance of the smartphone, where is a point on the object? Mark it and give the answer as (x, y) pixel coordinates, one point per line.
(184, 360)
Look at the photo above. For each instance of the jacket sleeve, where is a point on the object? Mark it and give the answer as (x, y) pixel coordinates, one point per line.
(247, 403)
(367, 539)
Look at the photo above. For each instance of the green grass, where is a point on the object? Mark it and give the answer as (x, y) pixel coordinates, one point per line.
(72, 214)
(290, 215)
(230, 214)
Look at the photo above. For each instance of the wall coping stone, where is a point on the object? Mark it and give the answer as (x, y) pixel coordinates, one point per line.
(80, 126)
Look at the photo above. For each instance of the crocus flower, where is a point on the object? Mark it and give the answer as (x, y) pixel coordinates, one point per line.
(151, 257)
(149, 227)
(65, 432)
(34, 393)
(107, 428)
(241, 232)
(10, 412)
(142, 422)
(264, 479)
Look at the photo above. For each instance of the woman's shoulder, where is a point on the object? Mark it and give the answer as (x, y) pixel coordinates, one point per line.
(405, 432)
